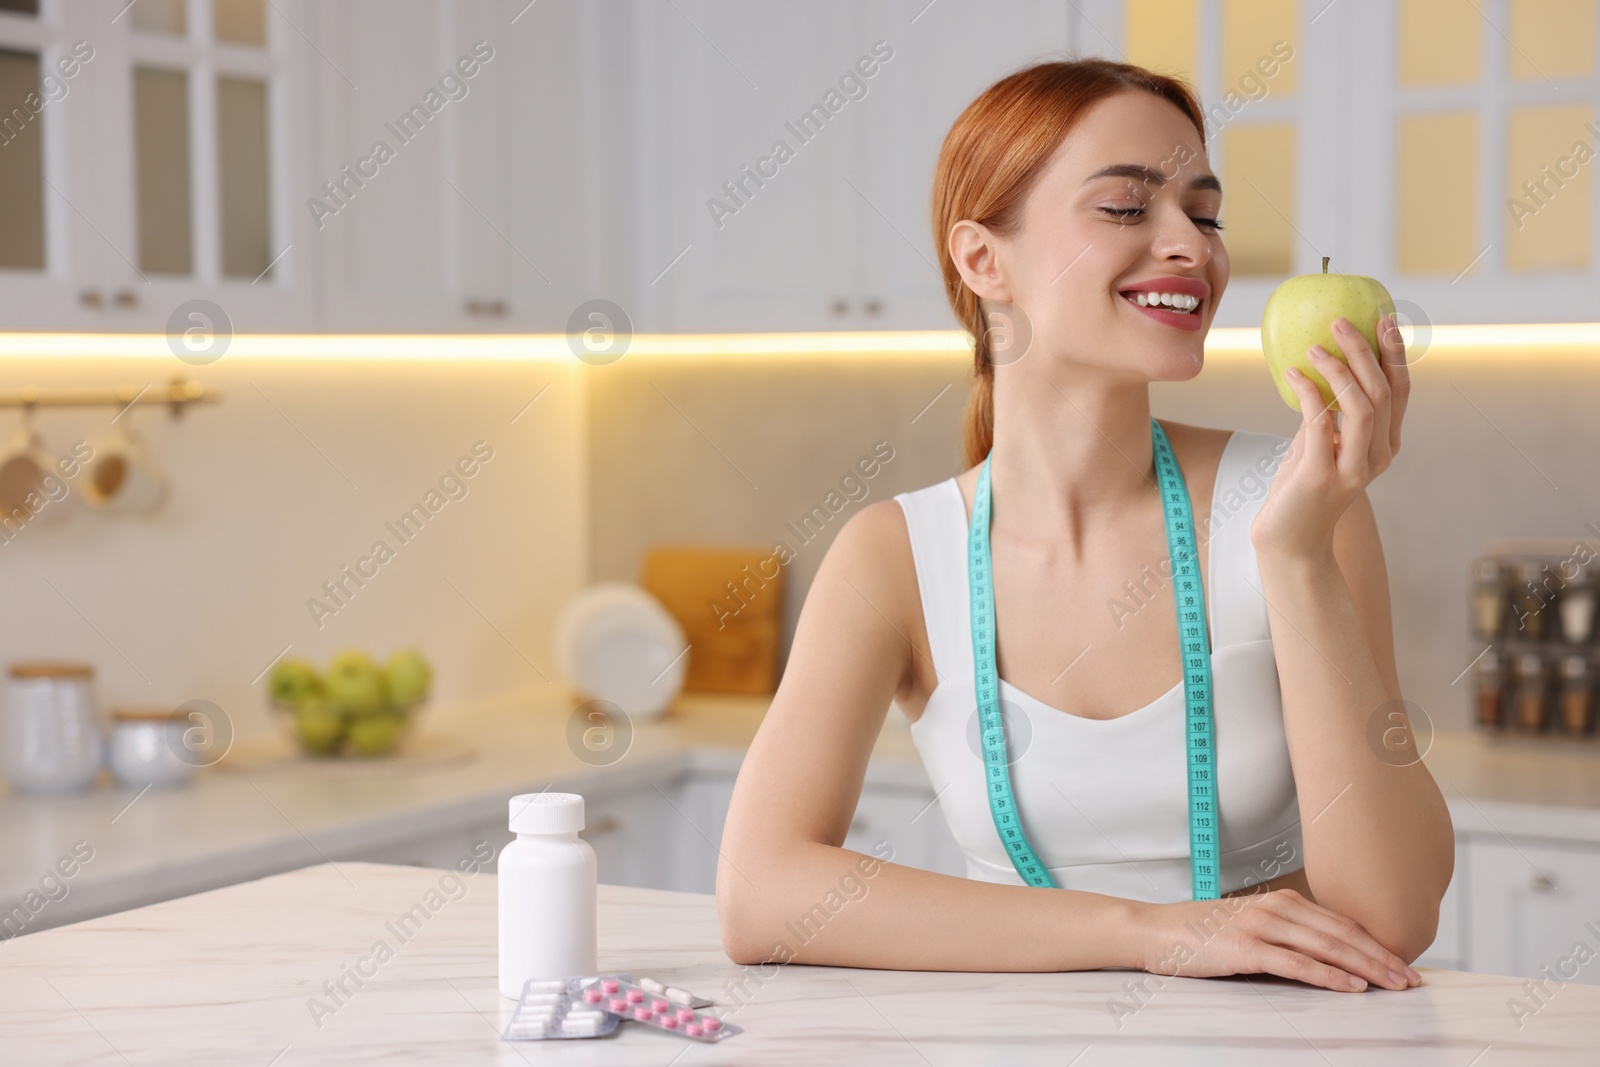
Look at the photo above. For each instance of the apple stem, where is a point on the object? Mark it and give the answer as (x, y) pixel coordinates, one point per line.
(1324, 264)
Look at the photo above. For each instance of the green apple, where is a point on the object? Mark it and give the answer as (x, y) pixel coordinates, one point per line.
(406, 678)
(1300, 313)
(292, 680)
(374, 735)
(354, 683)
(319, 726)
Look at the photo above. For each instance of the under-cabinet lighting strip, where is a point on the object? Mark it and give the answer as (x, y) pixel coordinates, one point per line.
(1582, 338)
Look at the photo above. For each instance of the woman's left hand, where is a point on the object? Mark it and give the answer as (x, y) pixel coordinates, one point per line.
(1328, 465)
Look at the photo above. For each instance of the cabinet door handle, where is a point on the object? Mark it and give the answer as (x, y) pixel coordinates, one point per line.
(872, 307)
(126, 298)
(857, 825)
(1541, 883)
(841, 307)
(605, 825)
(92, 298)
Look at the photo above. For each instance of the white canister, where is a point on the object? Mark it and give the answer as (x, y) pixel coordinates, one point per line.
(52, 739)
(146, 747)
(547, 893)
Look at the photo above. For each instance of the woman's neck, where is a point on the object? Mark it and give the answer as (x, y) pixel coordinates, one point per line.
(1071, 451)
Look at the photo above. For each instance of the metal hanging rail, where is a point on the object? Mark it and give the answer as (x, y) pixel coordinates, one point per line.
(177, 394)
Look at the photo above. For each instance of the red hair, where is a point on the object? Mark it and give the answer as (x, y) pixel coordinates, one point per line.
(990, 159)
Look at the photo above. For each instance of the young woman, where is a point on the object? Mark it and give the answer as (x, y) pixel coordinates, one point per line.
(1064, 197)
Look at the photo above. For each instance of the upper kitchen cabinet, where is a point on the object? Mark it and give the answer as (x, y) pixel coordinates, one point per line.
(448, 192)
(945, 54)
(786, 155)
(1418, 142)
(146, 165)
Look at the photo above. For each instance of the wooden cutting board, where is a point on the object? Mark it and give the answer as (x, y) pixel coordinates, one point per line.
(730, 611)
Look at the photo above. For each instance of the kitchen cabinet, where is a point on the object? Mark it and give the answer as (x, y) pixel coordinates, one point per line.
(635, 838)
(407, 165)
(665, 835)
(156, 168)
(1519, 905)
(450, 142)
(443, 850)
(787, 155)
(1535, 905)
(178, 165)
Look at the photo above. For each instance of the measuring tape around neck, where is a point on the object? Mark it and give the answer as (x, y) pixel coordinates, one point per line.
(1194, 643)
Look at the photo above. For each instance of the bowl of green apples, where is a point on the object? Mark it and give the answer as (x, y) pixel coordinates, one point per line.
(356, 707)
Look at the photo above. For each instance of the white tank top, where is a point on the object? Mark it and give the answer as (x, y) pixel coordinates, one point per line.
(1105, 802)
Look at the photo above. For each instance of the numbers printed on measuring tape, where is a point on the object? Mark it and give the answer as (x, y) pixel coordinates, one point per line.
(1195, 645)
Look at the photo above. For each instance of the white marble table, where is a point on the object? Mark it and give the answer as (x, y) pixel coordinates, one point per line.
(229, 976)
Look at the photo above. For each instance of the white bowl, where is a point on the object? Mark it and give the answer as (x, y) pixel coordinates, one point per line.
(616, 642)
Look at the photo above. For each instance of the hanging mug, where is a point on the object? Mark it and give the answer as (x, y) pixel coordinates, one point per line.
(32, 490)
(121, 477)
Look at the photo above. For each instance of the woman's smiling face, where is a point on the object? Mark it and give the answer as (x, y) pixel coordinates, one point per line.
(1127, 202)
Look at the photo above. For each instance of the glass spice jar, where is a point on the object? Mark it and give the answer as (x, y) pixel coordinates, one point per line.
(1576, 607)
(1528, 600)
(1532, 683)
(1491, 690)
(1577, 695)
(1490, 596)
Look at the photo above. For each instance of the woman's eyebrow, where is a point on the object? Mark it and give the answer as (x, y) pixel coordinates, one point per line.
(1151, 176)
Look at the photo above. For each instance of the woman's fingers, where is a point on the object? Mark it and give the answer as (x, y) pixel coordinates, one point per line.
(1286, 963)
(1392, 350)
(1332, 948)
(1346, 929)
(1316, 423)
(1362, 393)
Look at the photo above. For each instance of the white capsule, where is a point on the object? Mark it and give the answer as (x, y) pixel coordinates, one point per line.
(550, 985)
(651, 985)
(679, 996)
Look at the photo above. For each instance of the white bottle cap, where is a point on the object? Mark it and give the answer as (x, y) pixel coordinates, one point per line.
(546, 813)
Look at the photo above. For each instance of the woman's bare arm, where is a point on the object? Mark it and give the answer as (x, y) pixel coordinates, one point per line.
(787, 891)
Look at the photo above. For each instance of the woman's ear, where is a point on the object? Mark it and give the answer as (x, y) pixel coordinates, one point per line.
(976, 252)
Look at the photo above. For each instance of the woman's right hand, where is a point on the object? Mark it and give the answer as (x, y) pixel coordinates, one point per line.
(1276, 932)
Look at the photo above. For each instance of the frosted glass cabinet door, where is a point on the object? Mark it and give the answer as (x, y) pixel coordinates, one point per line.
(158, 167)
(50, 247)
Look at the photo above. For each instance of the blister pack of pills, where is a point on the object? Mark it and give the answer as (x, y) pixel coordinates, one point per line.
(594, 1005)
(649, 1001)
(554, 1008)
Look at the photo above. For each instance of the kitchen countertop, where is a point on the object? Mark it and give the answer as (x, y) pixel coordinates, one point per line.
(234, 976)
(228, 827)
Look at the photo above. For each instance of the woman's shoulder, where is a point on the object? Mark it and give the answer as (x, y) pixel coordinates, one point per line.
(875, 544)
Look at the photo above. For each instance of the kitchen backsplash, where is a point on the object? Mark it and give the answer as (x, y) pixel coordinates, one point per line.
(325, 504)
(319, 505)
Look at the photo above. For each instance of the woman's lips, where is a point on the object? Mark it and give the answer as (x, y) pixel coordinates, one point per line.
(1182, 320)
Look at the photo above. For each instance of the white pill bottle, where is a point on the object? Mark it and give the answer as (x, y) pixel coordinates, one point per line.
(547, 893)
